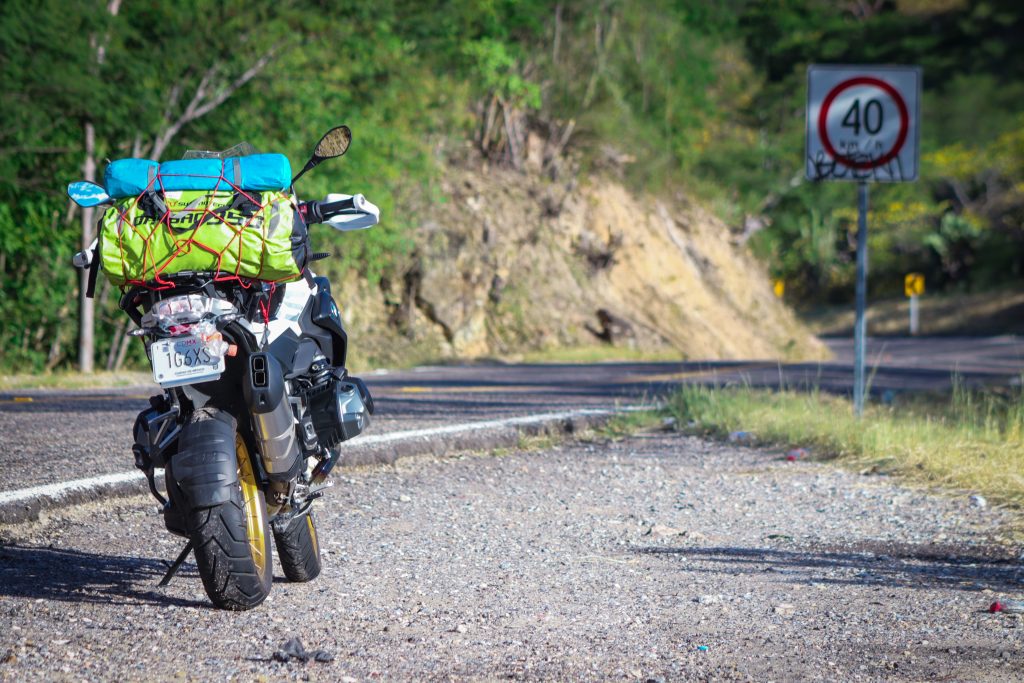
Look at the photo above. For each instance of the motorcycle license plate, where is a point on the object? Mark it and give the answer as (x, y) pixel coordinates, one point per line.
(183, 360)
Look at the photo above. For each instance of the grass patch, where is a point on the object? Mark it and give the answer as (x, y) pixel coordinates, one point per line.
(538, 442)
(633, 422)
(75, 380)
(620, 425)
(969, 440)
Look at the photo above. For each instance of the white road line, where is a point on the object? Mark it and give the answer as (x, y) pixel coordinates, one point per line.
(62, 489)
(411, 434)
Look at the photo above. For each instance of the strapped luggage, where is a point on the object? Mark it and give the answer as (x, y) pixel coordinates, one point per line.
(233, 217)
(249, 235)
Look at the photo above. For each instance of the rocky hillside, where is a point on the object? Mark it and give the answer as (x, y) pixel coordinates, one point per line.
(511, 263)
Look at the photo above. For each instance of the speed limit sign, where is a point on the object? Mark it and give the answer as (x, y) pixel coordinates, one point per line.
(862, 126)
(862, 123)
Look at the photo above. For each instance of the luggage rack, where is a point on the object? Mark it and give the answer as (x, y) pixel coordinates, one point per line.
(257, 300)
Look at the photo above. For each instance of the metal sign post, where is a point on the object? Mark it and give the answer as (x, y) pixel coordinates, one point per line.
(860, 326)
(862, 126)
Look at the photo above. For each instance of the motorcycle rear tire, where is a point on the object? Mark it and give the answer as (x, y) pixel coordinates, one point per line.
(298, 549)
(231, 541)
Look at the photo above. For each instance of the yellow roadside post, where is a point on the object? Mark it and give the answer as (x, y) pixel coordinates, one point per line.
(779, 287)
(913, 287)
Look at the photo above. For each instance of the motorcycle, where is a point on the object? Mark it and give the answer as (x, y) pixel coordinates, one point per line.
(256, 400)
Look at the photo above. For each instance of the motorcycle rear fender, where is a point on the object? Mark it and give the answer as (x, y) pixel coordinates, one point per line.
(205, 468)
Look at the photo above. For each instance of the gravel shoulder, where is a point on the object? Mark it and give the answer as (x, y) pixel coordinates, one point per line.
(656, 557)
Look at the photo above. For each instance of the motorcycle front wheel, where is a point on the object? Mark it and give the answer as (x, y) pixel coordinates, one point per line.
(231, 541)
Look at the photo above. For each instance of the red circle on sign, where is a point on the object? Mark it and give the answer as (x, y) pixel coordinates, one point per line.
(900, 139)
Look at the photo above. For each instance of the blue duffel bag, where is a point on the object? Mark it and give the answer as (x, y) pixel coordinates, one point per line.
(256, 172)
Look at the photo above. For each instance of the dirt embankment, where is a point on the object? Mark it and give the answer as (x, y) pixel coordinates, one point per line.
(511, 264)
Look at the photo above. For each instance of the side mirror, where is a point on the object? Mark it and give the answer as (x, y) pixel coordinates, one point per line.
(87, 194)
(333, 144)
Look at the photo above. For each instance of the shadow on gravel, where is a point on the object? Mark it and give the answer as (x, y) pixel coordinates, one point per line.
(874, 563)
(75, 576)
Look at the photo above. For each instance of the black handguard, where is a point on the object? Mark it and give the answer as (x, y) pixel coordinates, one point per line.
(320, 212)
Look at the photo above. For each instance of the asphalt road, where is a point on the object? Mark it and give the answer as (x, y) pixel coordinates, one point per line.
(49, 436)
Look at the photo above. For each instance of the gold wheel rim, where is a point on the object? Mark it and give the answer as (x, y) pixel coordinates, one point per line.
(255, 524)
(312, 534)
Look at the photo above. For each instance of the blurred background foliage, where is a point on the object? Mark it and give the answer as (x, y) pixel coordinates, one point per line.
(687, 98)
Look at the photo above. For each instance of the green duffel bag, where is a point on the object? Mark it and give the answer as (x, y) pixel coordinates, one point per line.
(252, 235)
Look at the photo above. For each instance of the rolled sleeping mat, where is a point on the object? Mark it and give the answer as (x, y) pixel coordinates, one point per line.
(256, 172)
(130, 177)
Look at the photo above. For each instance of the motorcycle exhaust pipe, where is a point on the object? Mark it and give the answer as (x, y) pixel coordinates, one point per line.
(274, 422)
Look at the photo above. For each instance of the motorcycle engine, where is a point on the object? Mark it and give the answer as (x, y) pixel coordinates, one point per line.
(339, 408)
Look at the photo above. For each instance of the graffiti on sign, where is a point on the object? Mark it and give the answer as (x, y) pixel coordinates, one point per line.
(824, 167)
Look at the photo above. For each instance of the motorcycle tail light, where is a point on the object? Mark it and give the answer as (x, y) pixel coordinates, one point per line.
(178, 330)
(176, 315)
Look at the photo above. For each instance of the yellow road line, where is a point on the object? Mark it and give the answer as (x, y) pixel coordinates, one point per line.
(689, 374)
(635, 378)
(475, 389)
(94, 397)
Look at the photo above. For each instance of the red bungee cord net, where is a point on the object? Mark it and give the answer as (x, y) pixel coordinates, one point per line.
(185, 239)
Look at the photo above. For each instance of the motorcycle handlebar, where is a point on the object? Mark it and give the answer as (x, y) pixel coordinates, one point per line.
(321, 212)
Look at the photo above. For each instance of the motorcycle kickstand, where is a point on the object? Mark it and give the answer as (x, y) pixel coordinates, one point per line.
(173, 569)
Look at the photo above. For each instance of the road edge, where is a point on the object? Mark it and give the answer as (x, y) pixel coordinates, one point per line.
(26, 505)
